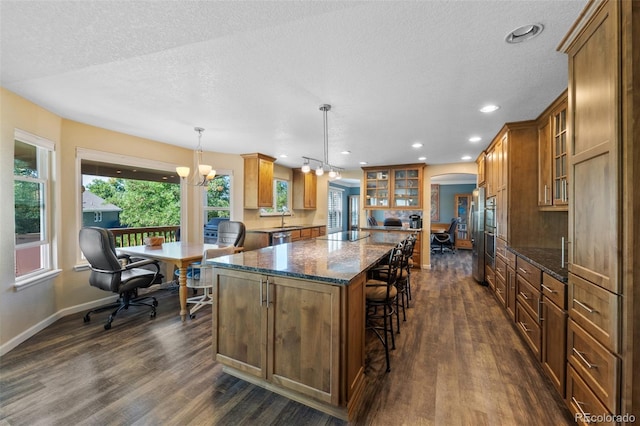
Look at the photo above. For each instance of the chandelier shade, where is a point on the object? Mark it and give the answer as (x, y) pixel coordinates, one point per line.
(204, 172)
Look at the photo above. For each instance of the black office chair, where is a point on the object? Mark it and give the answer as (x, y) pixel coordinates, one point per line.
(116, 273)
(446, 239)
(392, 221)
(231, 233)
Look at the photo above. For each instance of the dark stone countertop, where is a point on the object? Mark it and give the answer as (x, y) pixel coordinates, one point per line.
(389, 228)
(280, 229)
(546, 259)
(319, 259)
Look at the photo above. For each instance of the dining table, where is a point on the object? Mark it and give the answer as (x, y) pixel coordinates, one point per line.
(179, 253)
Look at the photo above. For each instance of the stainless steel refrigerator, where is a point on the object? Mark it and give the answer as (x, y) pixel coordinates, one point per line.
(477, 234)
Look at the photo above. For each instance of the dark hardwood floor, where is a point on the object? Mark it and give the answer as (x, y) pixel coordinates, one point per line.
(458, 361)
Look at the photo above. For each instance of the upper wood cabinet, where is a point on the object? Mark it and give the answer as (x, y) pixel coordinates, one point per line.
(304, 190)
(481, 169)
(393, 187)
(258, 180)
(553, 184)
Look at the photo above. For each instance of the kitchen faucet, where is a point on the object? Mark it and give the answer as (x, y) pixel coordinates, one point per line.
(284, 210)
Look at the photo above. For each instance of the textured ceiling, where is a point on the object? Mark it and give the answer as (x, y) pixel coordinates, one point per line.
(254, 74)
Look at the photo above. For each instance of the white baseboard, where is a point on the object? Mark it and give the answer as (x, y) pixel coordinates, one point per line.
(32, 331)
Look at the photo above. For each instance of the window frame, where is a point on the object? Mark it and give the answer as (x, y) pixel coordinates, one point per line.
(206, 208)
(330, 192)
(45, 157)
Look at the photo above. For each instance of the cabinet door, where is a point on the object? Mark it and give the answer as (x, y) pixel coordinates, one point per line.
(406, 188)
(545, 196)
(560, 159)
(554, 341)
(511, 291)
(377, 188)
(304, 190)
(462, 206)
(304, 337)
(239, 321)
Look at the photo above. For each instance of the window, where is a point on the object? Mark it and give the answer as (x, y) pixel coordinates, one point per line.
(334, 222)
(32, 160)
(218, 198)
(281, 198)
(97, 217)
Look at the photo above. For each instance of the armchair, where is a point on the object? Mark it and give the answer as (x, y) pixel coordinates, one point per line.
(116, 273)
(231, 233)
(445, 239)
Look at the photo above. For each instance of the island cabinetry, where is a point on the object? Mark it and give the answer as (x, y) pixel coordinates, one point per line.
(554, 330)
(258, 180)
(280, 330)
(300, 338)
(304, 190)
(553, 184)
(394, 187)
(510, 279)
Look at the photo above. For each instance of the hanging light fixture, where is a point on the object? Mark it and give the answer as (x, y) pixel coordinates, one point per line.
(204, 172)
(334, 172)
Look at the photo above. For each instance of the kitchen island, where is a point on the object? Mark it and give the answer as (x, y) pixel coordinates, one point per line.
(291, 317)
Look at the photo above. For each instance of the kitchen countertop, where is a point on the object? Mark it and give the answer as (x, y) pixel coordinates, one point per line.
(389, 228)
(544, 258)
(319, 259)
(280, 229)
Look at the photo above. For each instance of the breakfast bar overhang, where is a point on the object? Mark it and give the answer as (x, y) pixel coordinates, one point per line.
(291, 317)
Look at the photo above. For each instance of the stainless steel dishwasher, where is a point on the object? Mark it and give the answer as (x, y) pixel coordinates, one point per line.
(281, 237)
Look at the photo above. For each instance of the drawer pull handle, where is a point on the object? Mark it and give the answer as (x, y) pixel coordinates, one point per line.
(583, 359)
(524, 327)
(261, 293)
(579, 405)
(522, 270)
(585, 307)
(524, 296)
(549, 289)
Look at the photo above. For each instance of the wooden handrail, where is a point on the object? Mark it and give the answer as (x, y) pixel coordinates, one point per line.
(127, 237)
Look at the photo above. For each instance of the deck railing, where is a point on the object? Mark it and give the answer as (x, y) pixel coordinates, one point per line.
(127, 237)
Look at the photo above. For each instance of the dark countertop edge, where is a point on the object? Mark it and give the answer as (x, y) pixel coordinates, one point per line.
(561, 274)
(267, 271)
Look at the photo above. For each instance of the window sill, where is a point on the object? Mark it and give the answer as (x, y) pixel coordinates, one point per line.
(274, 214)
(37, 279)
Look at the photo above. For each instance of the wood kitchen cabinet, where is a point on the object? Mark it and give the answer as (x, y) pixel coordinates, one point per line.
(394, 187)
(554, 331)
(553, 185)
(258, 180)
(481, 169)
(603, 303)
(304, 190)
(280, 330)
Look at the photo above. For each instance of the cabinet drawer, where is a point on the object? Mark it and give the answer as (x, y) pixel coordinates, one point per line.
(529, 296)
(501, 249)
(501, 268)
(501, 290)
(315, 232)
(511, 259)
(529, 272)
(582, 401)
(596, 310)
(305, 233)
(490, 276)
(295, 235)
(529, 328)
(554, 290)
(598, 367)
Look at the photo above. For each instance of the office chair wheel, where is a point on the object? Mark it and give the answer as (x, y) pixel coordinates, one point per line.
(192, 316)
(86, 318)
(155, 302)
(153, 314)
(107, 326)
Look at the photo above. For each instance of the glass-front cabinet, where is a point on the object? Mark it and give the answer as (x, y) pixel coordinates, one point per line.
(377, 182)
(394, 187)
(462, 236)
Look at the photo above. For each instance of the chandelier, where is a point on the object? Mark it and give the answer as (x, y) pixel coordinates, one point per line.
(334, 172)
(204, 173)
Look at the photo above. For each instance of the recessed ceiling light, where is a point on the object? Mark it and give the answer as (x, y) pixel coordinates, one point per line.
(362, 163)
(475, 139)
(523, 33)
(345, 152)
(489, 108)
(422, 158)
(283, 156)
(417, 145)
(465, 157)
